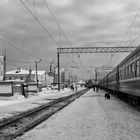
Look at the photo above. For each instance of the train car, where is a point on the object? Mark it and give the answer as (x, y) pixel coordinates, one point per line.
(89, 84)
(129, 74)
(125, 78)
(109, 81)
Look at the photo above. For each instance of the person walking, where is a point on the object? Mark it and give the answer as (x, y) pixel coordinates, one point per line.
(97, 87)
(93, 87)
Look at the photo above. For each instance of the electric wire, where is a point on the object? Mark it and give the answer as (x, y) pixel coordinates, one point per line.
(125, 34)
(129, 27)
(39, 22)
(34, 8)
(21, 50)
(57, 23)
(58, 26)
(16, 61)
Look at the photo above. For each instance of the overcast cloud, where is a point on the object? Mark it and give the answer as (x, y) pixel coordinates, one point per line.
(85, 22)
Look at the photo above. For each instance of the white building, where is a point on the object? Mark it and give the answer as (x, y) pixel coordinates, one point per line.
(22, 75)
(18, 75)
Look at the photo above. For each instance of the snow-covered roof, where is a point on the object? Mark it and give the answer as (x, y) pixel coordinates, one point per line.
(21, 71)
(39, 72)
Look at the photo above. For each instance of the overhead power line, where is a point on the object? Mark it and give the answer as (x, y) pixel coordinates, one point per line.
(34, 8)
(44, 28)
(39, 22)
(57, 23)
(129, 27)
(16, 61)
(29, 54)
(54, 18)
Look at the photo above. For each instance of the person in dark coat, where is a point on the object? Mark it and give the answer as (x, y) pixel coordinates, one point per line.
(93, 87)
(24, 90)
(97, 87)
(72, 87)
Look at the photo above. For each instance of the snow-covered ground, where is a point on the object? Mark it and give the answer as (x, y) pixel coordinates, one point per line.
(90, 117)
(17, 98)
(10, 106)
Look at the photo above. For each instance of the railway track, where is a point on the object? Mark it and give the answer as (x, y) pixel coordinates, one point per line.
(17, 125)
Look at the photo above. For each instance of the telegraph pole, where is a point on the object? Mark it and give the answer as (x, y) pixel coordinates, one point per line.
(95, 76)
(36, 70)
(36, 73)
(4, 69)
(58, 71)
(54, 76)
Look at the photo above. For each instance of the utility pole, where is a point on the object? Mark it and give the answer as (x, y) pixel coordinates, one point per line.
(36, 73)
(45, 79)
(58, 72)
(95, 76)
(54, 76)
(36, 70)
(4, 69)
(59, 35)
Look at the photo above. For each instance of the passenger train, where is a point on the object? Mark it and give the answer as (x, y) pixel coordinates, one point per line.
(125, 78)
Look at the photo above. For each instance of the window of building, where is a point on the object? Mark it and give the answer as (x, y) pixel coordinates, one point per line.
(21, 78)
(9, 78)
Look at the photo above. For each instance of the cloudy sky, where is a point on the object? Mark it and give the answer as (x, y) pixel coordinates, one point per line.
(86, 23)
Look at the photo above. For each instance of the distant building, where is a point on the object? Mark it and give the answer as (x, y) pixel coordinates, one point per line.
(51, 77)
(42, 76)
(27, 76)
(18, 75)
(62, 75)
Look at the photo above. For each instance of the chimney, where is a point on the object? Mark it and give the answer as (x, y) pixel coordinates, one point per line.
(18, 70)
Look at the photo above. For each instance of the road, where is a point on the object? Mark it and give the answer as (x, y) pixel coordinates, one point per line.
(90, 117)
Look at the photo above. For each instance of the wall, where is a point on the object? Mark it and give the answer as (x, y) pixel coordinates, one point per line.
(6, 89)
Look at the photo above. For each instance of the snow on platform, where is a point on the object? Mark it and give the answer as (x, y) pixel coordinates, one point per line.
(10, 106)
(90, 117)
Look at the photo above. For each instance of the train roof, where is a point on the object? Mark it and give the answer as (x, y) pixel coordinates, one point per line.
(124, 60)
(130, 55)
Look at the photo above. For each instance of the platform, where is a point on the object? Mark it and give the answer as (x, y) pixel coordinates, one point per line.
(90, 117)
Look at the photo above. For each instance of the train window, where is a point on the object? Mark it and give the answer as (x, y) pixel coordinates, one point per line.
(129, 68)
(133, 67)
(125, 71)
(137, 68)
(120, 73)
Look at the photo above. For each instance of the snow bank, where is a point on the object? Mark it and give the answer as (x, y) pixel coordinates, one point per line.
(18, 98)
